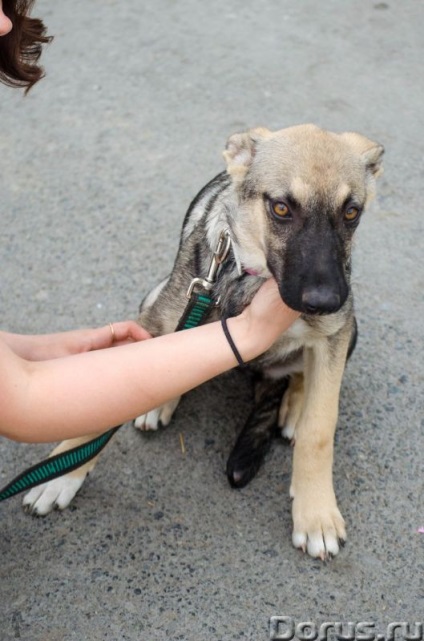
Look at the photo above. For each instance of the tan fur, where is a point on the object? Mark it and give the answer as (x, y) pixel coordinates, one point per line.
(312, 165)
(316, 518)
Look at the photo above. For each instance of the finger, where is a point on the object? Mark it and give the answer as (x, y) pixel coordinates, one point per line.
(128, 331)
(272, 290)
(138, 333)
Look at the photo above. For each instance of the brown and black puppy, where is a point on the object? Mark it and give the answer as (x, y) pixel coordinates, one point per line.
(291, 201)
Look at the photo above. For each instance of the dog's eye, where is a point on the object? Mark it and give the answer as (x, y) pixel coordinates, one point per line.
(280, 209)
(351, 214)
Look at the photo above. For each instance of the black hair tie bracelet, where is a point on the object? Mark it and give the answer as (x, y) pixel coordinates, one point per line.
(231, 343)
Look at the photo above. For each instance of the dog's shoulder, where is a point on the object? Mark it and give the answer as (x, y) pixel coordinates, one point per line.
(201, 206)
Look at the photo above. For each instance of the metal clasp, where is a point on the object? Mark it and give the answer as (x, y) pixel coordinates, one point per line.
(219, 255)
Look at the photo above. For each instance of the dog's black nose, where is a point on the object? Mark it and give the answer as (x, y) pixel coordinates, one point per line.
(320, 300)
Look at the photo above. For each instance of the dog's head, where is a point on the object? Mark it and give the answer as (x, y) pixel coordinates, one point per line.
(300, 194)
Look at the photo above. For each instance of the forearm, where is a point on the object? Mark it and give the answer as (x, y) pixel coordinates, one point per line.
(39, 347)
(93, 391)
(20, 344)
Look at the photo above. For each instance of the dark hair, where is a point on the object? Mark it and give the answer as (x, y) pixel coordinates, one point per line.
(21, 48)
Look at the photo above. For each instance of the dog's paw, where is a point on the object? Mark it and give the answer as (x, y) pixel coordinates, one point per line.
(248, 454)
(242, 466)
(56, 494)
(158, 417)
(318, 526)
(291, 408)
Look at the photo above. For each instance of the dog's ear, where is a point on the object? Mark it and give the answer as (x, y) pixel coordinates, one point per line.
(240, 150)
(370, 151)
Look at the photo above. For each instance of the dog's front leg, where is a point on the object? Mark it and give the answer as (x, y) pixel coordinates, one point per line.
(318, 526)
(59, 492)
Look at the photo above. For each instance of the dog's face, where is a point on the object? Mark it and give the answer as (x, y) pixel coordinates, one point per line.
(301, 192)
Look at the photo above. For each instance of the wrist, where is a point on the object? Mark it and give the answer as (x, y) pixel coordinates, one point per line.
(249, 342)
(231, 343)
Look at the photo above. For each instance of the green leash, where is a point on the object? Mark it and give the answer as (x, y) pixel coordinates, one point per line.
(195, 313)
(57, 465)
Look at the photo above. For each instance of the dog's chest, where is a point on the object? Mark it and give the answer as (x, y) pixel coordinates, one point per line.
(286, 355)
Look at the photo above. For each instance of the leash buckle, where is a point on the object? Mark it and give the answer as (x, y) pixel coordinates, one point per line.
(219, 255)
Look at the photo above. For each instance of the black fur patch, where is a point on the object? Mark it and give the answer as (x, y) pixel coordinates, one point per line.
(254, 441)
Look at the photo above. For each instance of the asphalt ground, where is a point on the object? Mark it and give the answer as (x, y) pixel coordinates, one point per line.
(97, 166)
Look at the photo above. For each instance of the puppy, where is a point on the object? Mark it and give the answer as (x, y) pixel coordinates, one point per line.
(290, 201)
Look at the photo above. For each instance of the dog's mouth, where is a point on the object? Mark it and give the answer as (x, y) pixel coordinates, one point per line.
(251, 271)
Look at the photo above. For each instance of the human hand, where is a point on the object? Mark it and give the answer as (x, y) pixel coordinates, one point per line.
(267, 315)
(116, 334)
(112, 335)
(44, 347)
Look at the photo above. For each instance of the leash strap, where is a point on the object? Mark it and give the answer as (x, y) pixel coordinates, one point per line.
(196, 311)
(57, 465)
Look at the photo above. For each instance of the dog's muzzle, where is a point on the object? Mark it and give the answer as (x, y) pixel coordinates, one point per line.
(320, 300)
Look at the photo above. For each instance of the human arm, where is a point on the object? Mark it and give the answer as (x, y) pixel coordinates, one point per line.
(92, 391)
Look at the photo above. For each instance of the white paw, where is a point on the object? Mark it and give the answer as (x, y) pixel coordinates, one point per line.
(58, 493)
(289, 430)
(157, 417)
(318, 526)
(291, 408)
(317, 544)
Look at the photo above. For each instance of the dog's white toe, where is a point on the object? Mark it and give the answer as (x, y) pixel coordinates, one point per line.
(315, 545)
(331, 544)
(300, 540)
(157, 417)
(288, 432)
(319, 545)
(318, 526)
(148, 422)
(291, 408)
(55, 494)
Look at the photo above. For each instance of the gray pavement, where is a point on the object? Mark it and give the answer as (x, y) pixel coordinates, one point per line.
(97, 167)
